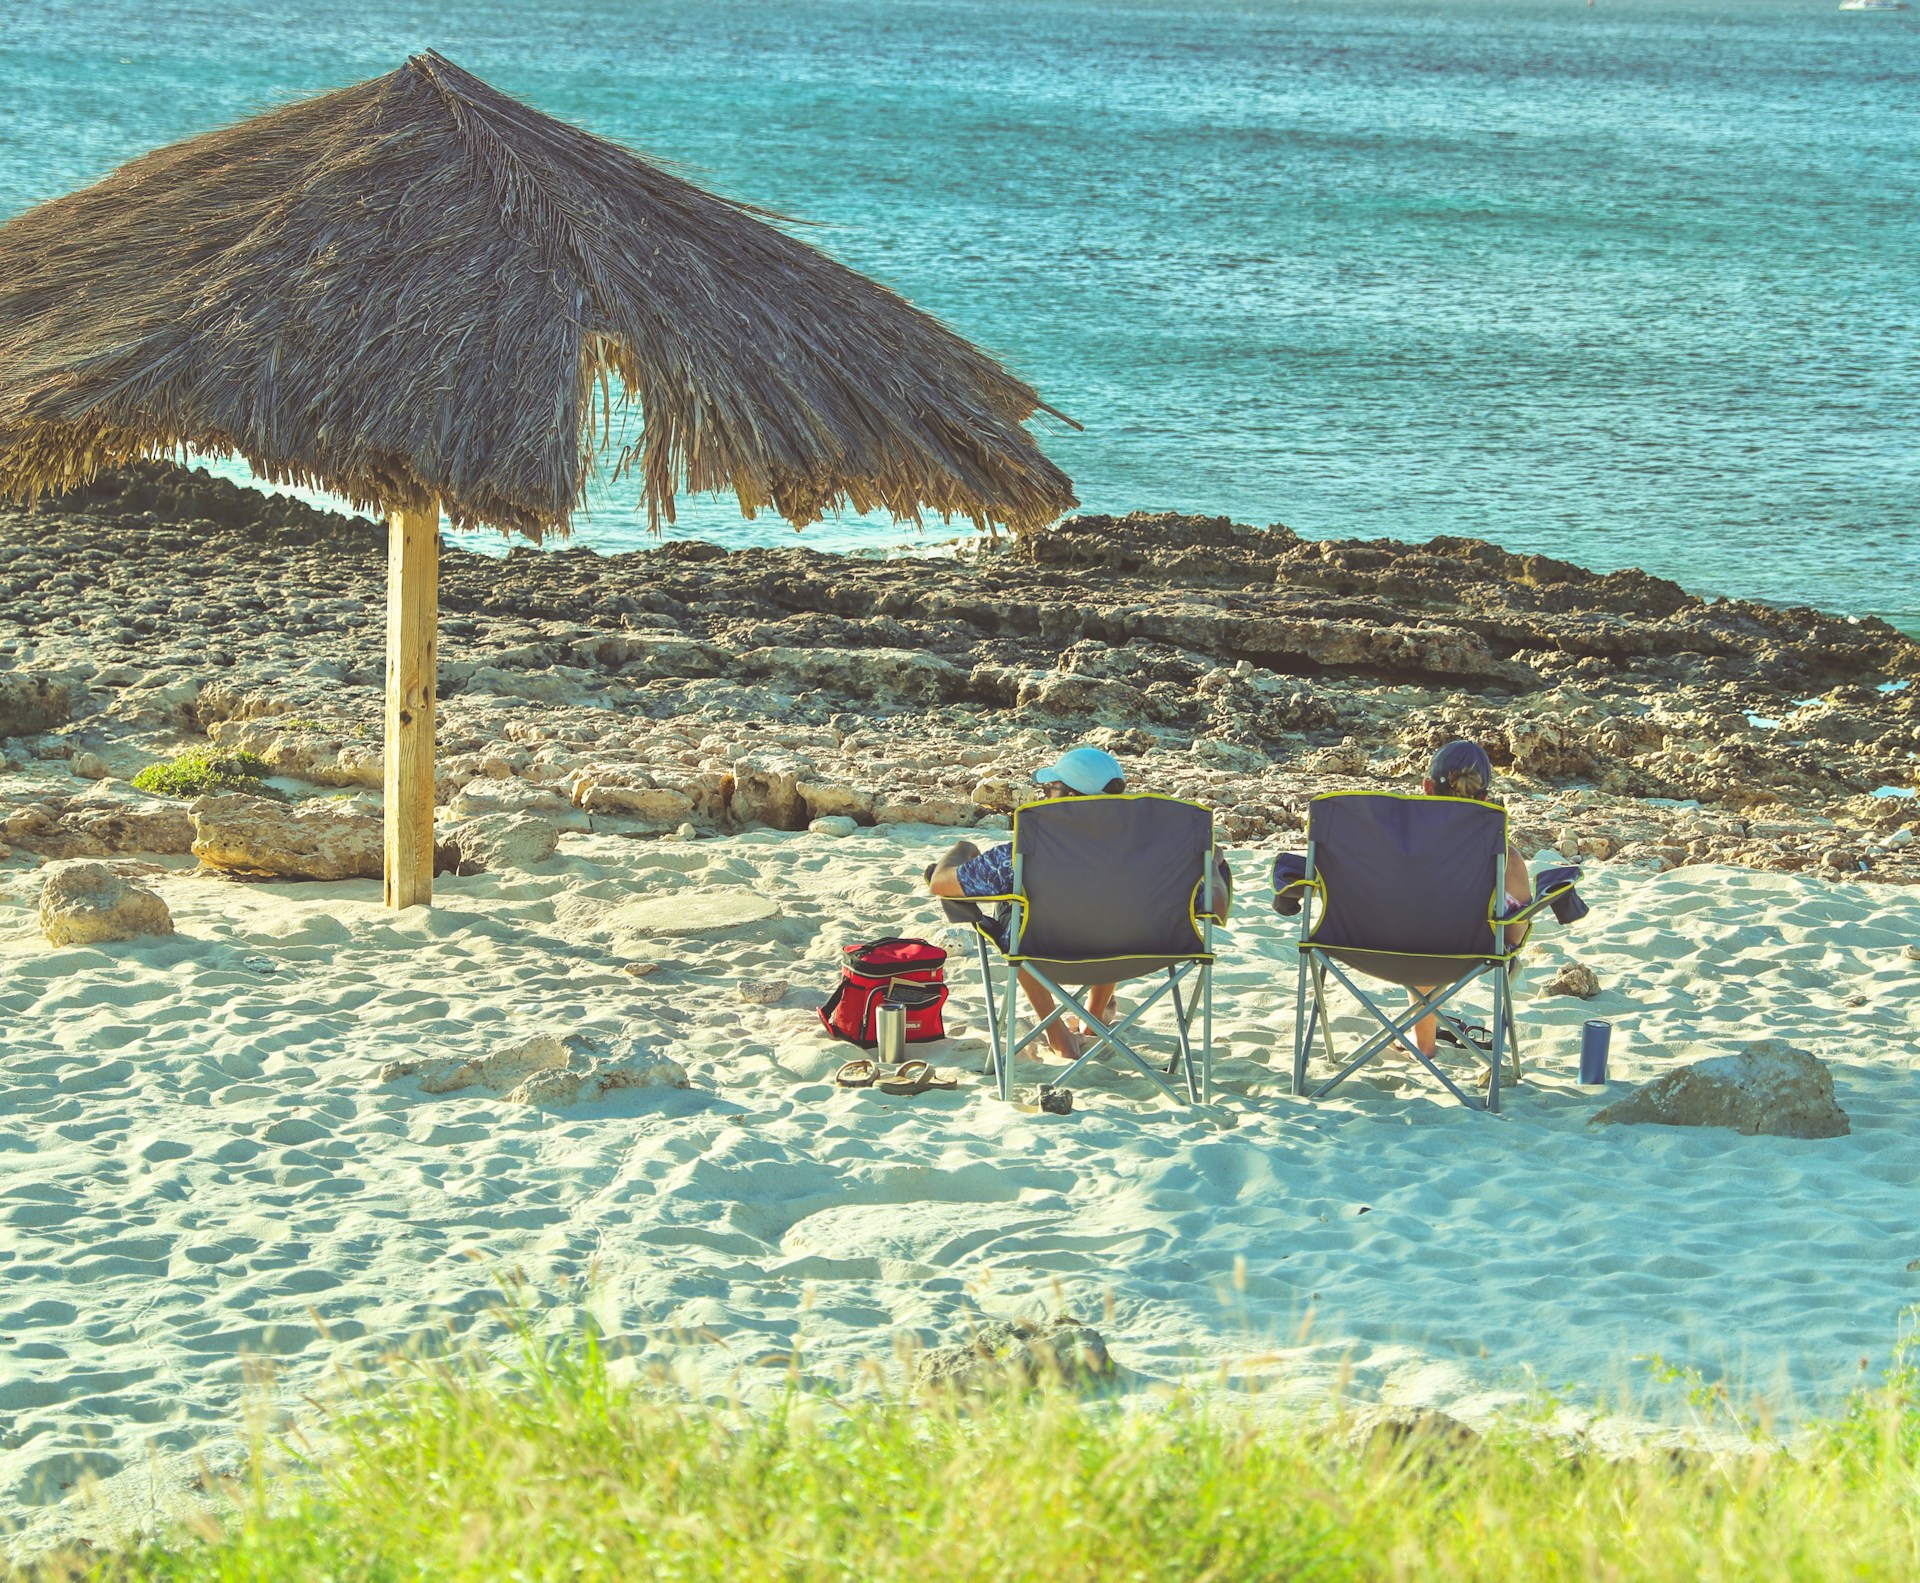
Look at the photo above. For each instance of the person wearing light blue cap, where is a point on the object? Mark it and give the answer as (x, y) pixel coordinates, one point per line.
(967, 871)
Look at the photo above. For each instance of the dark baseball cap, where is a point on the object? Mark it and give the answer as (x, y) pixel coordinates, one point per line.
(1459, 758)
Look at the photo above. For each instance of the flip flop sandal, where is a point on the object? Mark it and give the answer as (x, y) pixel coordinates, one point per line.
(913, 1077)
(1482, 1039)
(856, 1074)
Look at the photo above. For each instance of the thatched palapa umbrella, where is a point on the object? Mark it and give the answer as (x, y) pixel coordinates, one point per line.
(412, 292)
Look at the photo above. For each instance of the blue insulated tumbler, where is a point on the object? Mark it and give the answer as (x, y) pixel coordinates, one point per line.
(1594, 1038)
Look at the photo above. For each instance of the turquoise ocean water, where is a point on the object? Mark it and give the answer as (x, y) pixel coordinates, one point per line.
(1633, 283)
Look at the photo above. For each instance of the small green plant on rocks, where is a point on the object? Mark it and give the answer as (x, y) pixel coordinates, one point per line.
(201, 770)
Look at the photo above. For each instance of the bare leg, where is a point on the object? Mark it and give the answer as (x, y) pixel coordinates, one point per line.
(1100, 1000)
(1099, 1003)
(1059, 1036)
(1427, 1029)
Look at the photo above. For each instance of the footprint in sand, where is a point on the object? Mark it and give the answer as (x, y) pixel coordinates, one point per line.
(49, 1479)
(295, 1130)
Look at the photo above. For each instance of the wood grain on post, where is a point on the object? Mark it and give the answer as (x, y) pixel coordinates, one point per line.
(413, 657)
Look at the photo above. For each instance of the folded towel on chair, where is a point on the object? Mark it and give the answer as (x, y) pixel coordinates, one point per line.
(1289, 870)
(1567, 906)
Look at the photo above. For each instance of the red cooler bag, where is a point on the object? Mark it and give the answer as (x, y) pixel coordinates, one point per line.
(907, 972)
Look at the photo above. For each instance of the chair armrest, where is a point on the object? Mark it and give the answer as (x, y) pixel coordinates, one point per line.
(1553, 888)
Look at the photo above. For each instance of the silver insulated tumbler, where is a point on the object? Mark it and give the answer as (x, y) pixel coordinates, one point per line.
(890, 1028)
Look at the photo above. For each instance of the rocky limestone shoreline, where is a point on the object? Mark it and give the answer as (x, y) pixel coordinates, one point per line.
(643, 692)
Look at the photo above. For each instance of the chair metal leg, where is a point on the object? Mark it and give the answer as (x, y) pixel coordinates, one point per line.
(1302, 1029)
(1183, 1015)
(996, 1056)
(1499, 1039)
(1199, 1076)
(1513, 1021)
(1206, 1034)
(1010, 1014)
(1323, 1013)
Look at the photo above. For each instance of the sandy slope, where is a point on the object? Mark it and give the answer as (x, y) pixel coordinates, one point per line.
(199, 1163)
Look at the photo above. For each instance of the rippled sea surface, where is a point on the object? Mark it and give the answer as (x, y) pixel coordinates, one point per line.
(1632, 283)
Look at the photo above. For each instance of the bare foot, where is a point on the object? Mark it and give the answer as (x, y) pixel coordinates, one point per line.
(1066, 1043)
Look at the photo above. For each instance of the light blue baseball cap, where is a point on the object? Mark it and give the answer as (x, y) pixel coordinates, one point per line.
(1089, 771)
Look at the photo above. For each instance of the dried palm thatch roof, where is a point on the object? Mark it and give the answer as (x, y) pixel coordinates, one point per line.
(418, 286)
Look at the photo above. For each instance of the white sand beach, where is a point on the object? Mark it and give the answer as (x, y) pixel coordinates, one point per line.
(202, 1164)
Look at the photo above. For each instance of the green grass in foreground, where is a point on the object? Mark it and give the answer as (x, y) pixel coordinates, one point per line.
(201, 770)
(559, 1473)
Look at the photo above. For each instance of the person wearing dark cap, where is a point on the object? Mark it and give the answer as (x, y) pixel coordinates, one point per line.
(967, 871)
(1462, 769)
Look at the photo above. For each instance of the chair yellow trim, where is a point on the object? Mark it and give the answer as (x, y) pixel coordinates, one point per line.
(1193, 914)
(1437, 956)
(1087, 961)
(1493, 900)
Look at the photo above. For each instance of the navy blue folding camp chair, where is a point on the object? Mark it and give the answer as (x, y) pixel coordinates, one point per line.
(1105, 889)
(1410, 891)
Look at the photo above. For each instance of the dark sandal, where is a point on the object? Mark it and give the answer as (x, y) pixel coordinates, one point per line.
(1482, 1039)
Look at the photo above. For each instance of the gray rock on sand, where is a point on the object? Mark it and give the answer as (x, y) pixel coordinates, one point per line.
(548, 1069)
(312, 840)
(1017, 1353)
(87, 903)
(763, 991)
(502, 1069)
(1767, 1088)
(585, 1077)
(834, 824)
(1575, 979)
(497, 841)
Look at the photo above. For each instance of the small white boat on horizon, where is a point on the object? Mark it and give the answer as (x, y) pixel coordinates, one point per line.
(1873, 5)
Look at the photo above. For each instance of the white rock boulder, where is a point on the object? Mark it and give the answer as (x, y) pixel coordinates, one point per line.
(1575, 979)
(497, 841)
(312, 840)
(87, 903)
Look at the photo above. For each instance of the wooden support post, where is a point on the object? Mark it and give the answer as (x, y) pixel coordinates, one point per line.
(413, 657)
